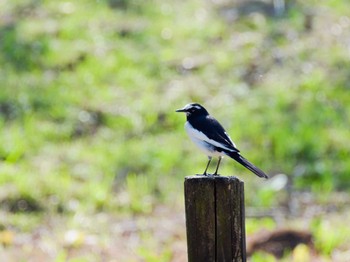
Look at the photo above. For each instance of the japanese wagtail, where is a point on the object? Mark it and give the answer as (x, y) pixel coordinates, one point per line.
(209, 135)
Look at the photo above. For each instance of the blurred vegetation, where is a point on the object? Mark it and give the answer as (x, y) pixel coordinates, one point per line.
(89, 89)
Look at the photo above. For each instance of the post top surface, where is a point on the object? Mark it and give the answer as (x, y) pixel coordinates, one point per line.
(211, 177)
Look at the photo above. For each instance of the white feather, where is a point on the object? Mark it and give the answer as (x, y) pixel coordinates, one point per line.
(204, 143)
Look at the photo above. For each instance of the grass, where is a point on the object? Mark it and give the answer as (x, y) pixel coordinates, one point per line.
(87, 100)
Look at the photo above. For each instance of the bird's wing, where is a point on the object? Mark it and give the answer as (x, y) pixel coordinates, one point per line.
(212, 133)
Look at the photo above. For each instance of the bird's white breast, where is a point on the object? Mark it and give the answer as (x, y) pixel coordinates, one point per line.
(203, 142)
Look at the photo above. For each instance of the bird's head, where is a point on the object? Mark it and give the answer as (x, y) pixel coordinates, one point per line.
(193, 109)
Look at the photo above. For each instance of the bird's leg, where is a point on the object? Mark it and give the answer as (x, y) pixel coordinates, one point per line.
(205, 171)
(217, 167)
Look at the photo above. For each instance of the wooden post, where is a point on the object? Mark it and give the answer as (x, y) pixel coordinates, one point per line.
(215, 219)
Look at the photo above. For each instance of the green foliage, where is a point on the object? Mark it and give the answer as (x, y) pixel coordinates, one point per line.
(254, 224)
(150, 255)
(263, 257)
(139, 194)
(89, 88)
(327, 236)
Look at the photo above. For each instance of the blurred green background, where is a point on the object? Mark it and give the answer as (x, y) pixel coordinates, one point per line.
(93, 156)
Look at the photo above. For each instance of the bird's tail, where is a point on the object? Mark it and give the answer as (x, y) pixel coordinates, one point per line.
(244, 162)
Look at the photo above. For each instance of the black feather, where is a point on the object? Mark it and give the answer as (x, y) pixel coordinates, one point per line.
(244, 162)
(213, 130)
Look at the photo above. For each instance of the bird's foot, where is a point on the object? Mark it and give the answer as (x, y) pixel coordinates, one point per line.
(208, 175)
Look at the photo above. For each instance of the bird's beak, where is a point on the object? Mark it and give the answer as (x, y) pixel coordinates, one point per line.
(181, 110)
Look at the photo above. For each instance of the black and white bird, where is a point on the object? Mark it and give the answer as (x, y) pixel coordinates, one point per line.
(209, 135)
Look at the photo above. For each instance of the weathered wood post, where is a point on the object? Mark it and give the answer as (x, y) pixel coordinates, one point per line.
(215, 219)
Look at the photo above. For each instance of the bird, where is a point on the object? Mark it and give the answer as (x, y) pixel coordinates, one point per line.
(209, 136)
